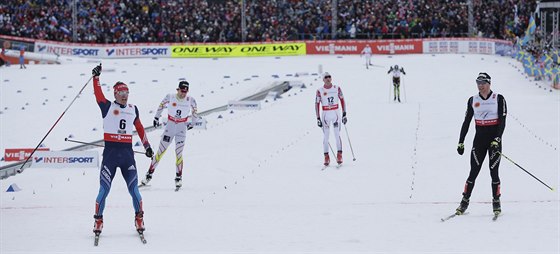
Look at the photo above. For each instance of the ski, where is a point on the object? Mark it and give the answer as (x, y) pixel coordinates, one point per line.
(141, 185)
(452, 216)
(324, 167)
(338, 165)
(142, 238)
(177, 189)
(96, 239)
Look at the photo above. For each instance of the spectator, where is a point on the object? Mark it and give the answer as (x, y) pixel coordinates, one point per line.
(125, 21)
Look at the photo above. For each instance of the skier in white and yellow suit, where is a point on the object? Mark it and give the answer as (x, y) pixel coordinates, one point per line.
(181, 110)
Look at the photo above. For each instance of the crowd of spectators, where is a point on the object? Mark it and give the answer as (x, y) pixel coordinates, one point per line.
(124, 21)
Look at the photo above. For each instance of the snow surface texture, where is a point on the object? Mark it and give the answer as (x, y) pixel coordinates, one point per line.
(252, 182)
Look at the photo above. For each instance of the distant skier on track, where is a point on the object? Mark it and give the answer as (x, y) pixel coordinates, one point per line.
(396, 70)
(489, 111)
(367, 52)
(119, 120)
(181, 110)
(329, 96)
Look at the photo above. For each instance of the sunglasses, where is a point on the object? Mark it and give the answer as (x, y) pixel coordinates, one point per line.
(481, 82)
(327, 76)
(122, 93)
(184, 90)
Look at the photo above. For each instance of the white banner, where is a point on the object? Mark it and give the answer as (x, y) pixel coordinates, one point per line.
(244, 105)
(65, 159)
(472, 46)
(104, 51)
(199, 123)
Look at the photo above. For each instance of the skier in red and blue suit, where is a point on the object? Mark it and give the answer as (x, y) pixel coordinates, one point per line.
(119, 120)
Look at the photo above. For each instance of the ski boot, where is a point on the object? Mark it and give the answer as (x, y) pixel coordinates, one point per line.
(339, 157)
(496, 206)
(146, 180)
(399, 99)
(463, 206)
(178, 182)
(98, 224)
(139, 222)
(327, 159)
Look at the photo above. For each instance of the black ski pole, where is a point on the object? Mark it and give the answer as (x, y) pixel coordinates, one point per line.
(552, 189)
(93, 144)
(52, 127)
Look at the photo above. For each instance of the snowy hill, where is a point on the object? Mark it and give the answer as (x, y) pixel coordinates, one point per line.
(252, 182)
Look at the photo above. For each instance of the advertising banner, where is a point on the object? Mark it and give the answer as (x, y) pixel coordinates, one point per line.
(458, 45)
(66, 159)
(199, 123)
(136, 52)
(239, 50)
(105, 51)
(356, 47)
(19, 154)
(244, 105)
(68, 49)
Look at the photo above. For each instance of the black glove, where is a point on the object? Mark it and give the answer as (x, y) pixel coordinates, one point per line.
(189, 126)
(96, 71)
(149, 152)
(344, 119)
(495, 144)
(319, 122)
(460, 148)
(156, 122)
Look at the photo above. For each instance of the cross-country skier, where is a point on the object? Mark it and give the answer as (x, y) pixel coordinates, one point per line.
(329, 96)
(396, 81)
(119, 120)
(489, 111)
(181, 110)
(367, 52)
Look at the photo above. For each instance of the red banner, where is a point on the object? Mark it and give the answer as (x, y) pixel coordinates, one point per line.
(19, 154)
(356, 47)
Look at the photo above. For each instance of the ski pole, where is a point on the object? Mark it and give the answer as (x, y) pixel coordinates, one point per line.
(404, 90)
(350, 143)
(52, 127)
(334, 154)
(552, 189)
(92, 144)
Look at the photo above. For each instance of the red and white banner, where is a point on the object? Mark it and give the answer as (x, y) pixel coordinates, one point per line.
(19, 154)
(413, 46)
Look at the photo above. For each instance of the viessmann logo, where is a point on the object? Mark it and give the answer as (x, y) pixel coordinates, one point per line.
(19, 154)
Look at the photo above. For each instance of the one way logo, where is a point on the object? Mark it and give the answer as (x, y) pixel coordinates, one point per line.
(38, 159)
(42, 48)
(110, 51)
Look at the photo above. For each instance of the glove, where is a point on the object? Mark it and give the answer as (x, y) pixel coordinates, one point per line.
(96, 71)
(344, 119)
(156, 122)
(149, 152)
(495, 144)
(460, 148)
(189, 126)
(319, 122)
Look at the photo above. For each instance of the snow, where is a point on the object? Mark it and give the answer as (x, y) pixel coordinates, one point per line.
(252, 182)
